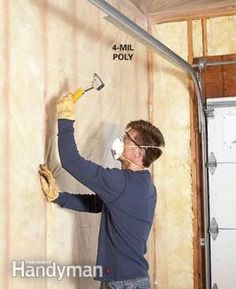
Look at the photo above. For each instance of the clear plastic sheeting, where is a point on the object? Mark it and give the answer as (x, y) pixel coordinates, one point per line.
(49, 48)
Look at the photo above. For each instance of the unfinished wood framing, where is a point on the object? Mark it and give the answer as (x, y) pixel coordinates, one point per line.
(196, 168)
(158, 19)
(204, 37)
(220, 80)
(194, 15)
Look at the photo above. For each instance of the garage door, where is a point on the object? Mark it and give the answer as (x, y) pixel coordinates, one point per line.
(221, 126)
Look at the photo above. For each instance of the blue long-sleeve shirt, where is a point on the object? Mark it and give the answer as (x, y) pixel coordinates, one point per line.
(127, 201)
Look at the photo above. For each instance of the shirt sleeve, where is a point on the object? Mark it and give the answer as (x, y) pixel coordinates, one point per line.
(84, 203)
(107, 183)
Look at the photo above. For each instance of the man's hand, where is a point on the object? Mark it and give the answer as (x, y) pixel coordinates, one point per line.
(48, 183)
(65, 107)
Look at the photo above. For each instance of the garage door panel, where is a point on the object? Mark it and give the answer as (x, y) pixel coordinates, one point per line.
(222, 134)
(223, 256)
(222, 195)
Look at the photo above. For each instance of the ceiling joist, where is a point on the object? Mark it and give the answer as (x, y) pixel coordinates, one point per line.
(159, 11)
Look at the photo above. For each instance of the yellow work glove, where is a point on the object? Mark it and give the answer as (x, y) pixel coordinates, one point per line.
(48, 183)
(65, 107)
(78, 94)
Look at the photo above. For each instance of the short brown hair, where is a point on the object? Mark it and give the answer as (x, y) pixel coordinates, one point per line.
(150, 135)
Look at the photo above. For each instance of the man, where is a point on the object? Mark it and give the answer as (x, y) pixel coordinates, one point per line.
(126, 197)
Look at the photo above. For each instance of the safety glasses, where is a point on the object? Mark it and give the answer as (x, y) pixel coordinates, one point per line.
(129, 137)
(139, 146)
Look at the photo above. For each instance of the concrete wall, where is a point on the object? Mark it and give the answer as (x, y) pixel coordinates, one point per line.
(47, 49)
(172, 174)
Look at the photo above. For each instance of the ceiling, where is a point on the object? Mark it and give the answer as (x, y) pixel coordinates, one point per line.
(183, 7)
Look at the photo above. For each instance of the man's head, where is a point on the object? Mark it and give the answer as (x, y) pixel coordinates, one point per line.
(141, 143)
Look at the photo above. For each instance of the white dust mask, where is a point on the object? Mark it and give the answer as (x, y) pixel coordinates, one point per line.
(117, 148)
